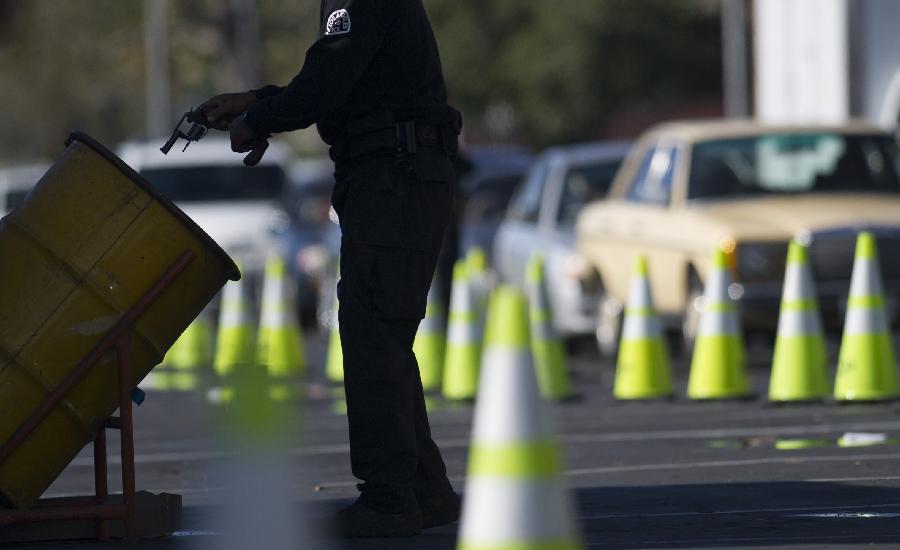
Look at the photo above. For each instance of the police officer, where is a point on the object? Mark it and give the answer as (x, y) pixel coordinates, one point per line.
(373, 85)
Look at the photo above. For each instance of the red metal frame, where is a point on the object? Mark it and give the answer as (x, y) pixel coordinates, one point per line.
(118, 338)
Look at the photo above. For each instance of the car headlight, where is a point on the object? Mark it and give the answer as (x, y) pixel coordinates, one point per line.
(761, 261)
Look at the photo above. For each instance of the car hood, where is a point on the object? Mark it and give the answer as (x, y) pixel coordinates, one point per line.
(784, 217)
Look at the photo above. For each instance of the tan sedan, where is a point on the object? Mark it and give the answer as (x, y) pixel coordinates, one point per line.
(687, 187)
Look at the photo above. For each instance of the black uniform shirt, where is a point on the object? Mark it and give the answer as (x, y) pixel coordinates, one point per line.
(371, 55)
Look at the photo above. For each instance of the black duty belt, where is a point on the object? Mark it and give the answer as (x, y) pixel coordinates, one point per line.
(380, 132)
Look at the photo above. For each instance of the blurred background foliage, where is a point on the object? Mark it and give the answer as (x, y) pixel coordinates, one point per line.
(539, 72)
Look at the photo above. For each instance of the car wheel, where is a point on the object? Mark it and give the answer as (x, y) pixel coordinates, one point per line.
(690, 321)
(608, 327)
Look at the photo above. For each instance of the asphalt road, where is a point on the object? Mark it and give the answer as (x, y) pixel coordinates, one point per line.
(670, 474)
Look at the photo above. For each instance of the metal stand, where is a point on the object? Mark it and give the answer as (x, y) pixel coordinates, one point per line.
(119, 338)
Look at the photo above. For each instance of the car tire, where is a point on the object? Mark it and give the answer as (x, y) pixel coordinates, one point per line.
(608, 326)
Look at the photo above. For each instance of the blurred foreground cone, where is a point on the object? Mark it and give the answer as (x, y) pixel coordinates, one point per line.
(866, 369)
(514, 497)
(549, 355)
(430, 342)
(718, 368)
(463, 357)
(799, 365)
(643, 370)
(234, 344)
(280, 342)
(191, 352)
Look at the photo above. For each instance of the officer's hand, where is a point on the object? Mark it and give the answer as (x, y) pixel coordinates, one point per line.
(219, 111)
(244, 139)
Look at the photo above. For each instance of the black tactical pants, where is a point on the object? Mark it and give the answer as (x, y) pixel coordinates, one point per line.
(393, 213)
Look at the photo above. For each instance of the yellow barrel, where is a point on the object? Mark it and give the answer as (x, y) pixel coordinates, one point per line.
(91, 238)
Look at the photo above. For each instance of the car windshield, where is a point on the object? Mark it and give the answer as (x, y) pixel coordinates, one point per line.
(218, 183)
(583, 184)
(794, 163)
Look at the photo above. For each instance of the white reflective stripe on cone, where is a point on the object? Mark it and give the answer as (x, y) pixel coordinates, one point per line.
(794, 322)
(273, 289)
(509, 415)
(862, 321)
(234, 315)
(641, 327)
(714, 323)
(866, 280)
(798, 284)
(639, 293)
(463, 332)
(276, 315)
(717, 286)
(508, 510)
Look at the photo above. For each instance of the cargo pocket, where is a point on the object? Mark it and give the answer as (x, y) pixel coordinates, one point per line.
(382, 206)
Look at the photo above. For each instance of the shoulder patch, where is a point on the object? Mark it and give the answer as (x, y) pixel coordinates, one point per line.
(338, 23)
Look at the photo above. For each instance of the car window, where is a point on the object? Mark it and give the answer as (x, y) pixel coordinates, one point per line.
(526, 205)
(652, 184)
(490, 199)
(794, 163)
(218, 183)
(583, 184)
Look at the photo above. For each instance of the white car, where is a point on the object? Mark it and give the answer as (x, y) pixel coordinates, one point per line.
(16, 182)
(237, 205)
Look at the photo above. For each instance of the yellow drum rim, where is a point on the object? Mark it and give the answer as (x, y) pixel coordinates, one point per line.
(232, 271)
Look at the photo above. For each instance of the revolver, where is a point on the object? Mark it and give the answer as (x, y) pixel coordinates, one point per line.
(195, 132)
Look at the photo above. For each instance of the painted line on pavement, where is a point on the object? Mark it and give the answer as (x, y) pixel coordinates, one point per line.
(792, 460)
(743, 511)
(570, 439)
(672, 542)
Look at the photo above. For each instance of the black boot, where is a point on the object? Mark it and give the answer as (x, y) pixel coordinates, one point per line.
(440, 510)
(360, 520)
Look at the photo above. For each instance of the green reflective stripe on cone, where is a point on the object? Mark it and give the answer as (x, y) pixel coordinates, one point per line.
(718, 368)
(799, 369)
(642, 370)
(506, 305)
(800, 305)
(524, 545)
(461, 371)
(517, 460)
(429, 351)
(866, 302)
(866, 369)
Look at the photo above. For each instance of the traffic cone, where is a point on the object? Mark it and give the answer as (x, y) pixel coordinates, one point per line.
(718, 368)
(234, 344)
(549, 355)
(514, 495)
(799, 363)
(280, 341)
(463, 357)
(643, 370)
(334, 363)
(866, 370)
(430, 343)
(190, 353)
(479, 282)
